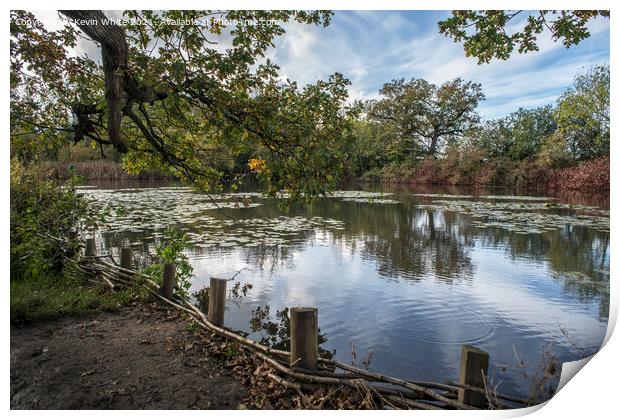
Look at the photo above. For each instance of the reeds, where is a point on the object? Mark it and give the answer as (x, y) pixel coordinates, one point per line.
(100, 170)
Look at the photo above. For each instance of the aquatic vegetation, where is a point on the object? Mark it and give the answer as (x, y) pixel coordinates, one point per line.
(371, 200)
(353, 196)
(487, 197)
(525, 218)
(364, 197)
(516, 197)
(359, 194)
(446, 196)
(151, 210)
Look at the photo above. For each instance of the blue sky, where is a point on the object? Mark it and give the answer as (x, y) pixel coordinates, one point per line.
(374, 47)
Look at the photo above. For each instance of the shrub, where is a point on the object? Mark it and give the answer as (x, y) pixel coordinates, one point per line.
(591, 176)
(46, 217)
(469, 167)
(42, 212)
(398, 173)
(528, 175)
(460, 166)
(554, 152)
(172, 251)
(429, 171)
(494, 172)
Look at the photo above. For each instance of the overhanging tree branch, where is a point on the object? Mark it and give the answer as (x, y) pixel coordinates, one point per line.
(114, 52)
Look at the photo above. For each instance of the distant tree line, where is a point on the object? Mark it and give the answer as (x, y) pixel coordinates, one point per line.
(210, 118)
(415, 120)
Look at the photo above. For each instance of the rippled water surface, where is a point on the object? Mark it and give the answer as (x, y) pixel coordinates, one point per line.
(407, 275)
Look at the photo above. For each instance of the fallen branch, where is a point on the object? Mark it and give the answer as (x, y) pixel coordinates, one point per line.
(410, 385)
(408, 394)
(483, 391)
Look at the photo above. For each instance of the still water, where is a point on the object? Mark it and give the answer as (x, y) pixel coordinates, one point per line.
(404, 276)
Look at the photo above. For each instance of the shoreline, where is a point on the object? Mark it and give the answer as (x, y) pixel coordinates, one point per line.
(591, 176)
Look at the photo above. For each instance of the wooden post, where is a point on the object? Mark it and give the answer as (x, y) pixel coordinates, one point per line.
(169, 282)
(304, 338)
(91, 247)
(474, 368)
(126, 258)
(217, 301)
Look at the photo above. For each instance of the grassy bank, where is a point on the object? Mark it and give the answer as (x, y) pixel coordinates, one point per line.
(48, 297)
(42, 284)
(591, 176)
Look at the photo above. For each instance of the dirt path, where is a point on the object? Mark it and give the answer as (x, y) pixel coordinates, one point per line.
(136, 358)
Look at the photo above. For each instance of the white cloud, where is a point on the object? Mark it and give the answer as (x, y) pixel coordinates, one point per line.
(373, 47)
(524, 80)
(299, 41)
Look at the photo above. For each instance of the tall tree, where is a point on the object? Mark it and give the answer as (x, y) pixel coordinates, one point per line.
(174, 86)
(582, 114)
(486, 33)
(424, 114)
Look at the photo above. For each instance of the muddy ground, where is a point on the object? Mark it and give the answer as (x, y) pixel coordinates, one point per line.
(136, 358)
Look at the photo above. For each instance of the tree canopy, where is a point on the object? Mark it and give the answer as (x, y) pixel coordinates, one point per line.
(518, 136)
(171, 96)
(424, 114)
(194, 93)
(486, 33)
(582, 114)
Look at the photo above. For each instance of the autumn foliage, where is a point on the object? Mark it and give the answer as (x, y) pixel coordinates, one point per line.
(471, 170)
(589, 176)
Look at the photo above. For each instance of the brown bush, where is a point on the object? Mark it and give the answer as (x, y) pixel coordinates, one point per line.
(590, 176)
(431, 171)
(528, 175)
(471, 168)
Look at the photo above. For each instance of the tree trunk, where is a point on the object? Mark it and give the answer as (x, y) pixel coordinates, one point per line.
(114, 52)
(433, 147)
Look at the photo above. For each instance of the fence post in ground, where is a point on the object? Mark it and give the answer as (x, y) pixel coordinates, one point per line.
(91, 247)
(217, 301)
(126, 257)
(167, 287)
(474, 368)
(304, 338)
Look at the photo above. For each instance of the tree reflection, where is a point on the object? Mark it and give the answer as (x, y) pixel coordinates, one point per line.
(276, 333)
(409, 242)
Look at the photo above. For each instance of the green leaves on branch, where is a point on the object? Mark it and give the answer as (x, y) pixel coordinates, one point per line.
(199, 95)
(582, 114)
(489, 34)
(171, 250)
(46, 83)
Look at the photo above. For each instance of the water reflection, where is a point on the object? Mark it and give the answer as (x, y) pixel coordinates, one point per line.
(408, 281)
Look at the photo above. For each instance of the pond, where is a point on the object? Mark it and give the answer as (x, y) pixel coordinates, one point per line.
(401, 276)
